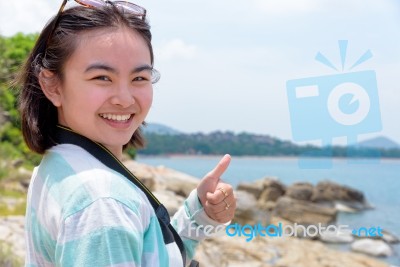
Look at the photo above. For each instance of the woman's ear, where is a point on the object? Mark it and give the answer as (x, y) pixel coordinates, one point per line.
(50, 85)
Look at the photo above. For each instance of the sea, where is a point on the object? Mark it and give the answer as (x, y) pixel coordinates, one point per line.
(378, 179)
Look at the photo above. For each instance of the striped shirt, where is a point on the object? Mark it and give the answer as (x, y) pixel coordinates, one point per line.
(82, 213)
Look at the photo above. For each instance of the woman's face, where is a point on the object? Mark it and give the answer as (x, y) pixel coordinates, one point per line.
(106, 90)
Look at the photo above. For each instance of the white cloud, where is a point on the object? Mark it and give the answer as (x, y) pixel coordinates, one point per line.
(175, 49)
(25, 15)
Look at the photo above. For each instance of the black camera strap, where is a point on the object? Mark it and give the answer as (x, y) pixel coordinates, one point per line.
(65, 135)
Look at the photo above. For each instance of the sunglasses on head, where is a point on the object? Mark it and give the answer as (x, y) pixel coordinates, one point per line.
(132, 8)
(125, 5)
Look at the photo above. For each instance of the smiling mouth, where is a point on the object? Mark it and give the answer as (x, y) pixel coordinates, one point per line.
(117, 118)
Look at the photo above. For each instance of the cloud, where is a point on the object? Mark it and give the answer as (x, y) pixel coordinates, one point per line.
(176, 49)
(25, 15)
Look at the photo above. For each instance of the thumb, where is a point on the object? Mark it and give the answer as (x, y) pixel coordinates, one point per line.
(221, 167)
(209, 183)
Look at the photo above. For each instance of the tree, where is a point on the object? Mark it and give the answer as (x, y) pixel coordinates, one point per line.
(13, 52)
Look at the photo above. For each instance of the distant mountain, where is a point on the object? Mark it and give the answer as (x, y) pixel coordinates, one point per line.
(156, 128)
(162, 139)
(379, 142)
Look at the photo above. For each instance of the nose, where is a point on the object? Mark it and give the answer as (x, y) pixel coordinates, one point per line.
(123, 96)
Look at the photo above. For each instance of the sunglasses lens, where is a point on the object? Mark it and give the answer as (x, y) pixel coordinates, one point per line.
(130, 7)
(155, 76)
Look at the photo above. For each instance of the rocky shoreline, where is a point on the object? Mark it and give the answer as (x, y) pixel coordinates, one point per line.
(263, 202)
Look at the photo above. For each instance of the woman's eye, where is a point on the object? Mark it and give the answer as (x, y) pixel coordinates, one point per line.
(102, 78)
(141, 78)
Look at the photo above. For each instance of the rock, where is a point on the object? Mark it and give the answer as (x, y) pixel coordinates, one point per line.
(304, 212)
(170, 200)
(13, 185)
(276, 252)
(390, 238)
(300, 191)
(7, 257)
(336, 237)
(339, 206)
(372, 247)
(265, 189)
(308, 253)
(161, 178)
(5, 232)
(386, 236)
(25, 183)
(270, 194)
(250, 188)
(271, 182)
(180, 183)
(328, 191)
(144, 173)
(268, 206)
(246, 211)
(272, 189)
(17, 163)
(12, 235)
(222, 251)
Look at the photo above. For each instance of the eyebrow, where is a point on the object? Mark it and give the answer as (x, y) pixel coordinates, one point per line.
(102, 66)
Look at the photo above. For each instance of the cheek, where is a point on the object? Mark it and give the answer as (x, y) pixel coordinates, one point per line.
(146, 100)
(76, 93)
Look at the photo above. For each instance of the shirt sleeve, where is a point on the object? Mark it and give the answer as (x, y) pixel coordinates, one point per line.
(193, 224)
(105, 233)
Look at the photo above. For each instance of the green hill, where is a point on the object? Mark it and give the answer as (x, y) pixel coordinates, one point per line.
(247, 144)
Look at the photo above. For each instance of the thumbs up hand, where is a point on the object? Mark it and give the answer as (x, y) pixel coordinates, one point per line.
(216, 196)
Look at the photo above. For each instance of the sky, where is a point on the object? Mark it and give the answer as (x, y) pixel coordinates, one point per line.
(225, 64)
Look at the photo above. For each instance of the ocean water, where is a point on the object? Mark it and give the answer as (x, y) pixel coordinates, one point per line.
(379, 180)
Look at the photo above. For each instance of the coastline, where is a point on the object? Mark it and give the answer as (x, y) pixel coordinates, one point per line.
(169, 185)
(286, 169)
(189, 156)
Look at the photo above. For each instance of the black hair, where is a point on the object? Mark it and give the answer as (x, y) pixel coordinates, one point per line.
(38, 114)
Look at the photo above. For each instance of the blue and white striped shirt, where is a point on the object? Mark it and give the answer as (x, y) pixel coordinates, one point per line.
(82, 213)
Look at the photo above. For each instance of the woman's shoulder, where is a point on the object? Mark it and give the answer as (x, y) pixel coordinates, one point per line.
(78, 180)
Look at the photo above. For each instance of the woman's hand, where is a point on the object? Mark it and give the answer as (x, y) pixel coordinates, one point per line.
(216, 196)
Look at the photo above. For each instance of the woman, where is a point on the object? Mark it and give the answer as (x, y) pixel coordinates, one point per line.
(86, 90)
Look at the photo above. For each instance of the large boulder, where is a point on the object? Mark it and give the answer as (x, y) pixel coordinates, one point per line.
(272, 189)
(251, 188)
(300, 191)
(162, 178)
(327, 191)
(304, 212)
(264, 190)
(180, 183)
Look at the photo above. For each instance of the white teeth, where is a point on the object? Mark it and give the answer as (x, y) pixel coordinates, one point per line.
(116, 117)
